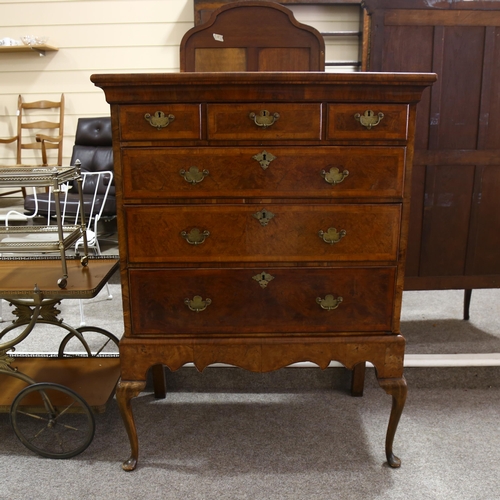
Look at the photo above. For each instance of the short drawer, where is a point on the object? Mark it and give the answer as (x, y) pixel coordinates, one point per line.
(261, 300)
(308, 172)
(264, 121)
(257, 233)
(160, 122)
(367, 121)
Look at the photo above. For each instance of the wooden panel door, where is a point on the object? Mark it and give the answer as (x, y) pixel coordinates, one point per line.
(454, 239)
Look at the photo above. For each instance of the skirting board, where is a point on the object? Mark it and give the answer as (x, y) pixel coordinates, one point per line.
(437, 360)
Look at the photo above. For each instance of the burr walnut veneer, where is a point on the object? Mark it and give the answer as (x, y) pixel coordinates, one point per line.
(262, 221)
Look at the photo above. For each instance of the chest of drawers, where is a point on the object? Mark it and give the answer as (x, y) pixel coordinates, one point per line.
(262, 221)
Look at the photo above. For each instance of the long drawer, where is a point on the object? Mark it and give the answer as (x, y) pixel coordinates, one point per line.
(319, 172)
(256, 233)
(263, 300)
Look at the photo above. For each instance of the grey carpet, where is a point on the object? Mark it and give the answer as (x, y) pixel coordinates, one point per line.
(291, 434)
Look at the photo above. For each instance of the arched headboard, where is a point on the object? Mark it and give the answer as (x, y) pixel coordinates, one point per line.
(252, 36)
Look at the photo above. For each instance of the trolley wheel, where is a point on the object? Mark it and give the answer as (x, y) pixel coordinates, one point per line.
(52, 420)
(100, 343)
(84, 261)
(62, 282)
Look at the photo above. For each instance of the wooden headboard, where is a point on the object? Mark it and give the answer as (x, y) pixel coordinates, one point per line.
(252, 36)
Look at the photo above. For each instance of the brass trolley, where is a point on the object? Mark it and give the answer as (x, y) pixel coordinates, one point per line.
(51, 400)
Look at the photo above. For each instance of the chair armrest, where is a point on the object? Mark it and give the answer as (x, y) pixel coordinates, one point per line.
(9, 140)
(49, 138)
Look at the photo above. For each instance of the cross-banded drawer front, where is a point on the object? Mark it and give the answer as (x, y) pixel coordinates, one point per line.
(367, 122)
(256, 233)
(264, 121)
(261, 300)
(160, 122)
(319, 172)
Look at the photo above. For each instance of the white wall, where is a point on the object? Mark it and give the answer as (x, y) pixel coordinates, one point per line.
(107, 36)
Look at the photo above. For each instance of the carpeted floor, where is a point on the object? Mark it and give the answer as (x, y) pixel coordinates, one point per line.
(291, 434)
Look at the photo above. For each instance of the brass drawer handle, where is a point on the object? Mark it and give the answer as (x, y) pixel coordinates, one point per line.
(332, 235)
(334, 175)
(369, 119)
(159, 119)
(197, 304)
(264, 119)
(329, 303)
(193, 175)
(195, 236)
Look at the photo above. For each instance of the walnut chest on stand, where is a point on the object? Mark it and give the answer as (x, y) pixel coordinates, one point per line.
(262, 221)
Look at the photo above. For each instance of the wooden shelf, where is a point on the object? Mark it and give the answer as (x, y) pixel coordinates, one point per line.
(39, 49)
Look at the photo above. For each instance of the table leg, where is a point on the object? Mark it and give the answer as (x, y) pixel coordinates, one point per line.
(159, 382)
(397, 388)
(467, 298)
(125, 391)
(358, 380)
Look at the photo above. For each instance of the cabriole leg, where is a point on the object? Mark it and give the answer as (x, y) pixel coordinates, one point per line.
(397, 388)
(125, 391)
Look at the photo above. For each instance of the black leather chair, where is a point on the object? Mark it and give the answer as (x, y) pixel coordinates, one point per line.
(93, 148)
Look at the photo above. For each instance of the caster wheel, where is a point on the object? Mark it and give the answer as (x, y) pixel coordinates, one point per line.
(84, 261)
(100, 342)
(62, 282)
(52, 420)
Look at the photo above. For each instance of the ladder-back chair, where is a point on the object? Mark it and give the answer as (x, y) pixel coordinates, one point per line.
(38, 123)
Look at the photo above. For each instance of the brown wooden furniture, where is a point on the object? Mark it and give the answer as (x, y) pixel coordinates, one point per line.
(262, 221)
(36, 132)
(454, 239)
(252, 36)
